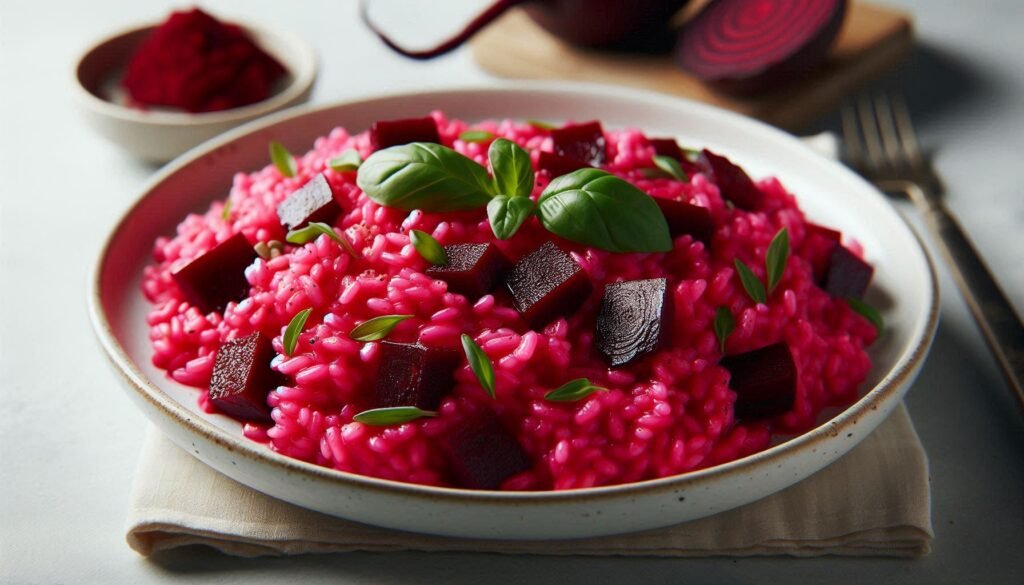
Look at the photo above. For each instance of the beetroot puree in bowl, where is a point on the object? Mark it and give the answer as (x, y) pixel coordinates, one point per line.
(670, 412)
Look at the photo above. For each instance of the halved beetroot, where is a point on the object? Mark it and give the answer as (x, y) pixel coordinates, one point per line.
(847, 275)
(686, 218)
(482, 453)
(764, 381)
(582, 142)
(746, 46)
(217, 277)
(410, 374)
(632, 320)
(385, 133)
(733, 182)
(547, 283)
(314, 201)
(242, 378)
(558, 165)
(472, 269)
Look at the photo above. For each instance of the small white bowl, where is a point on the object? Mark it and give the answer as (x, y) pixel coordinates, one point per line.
(159, 135)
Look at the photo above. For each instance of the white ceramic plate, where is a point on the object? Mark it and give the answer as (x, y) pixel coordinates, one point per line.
(904, 286)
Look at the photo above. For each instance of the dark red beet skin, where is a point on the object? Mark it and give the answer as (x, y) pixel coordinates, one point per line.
(557, 165)
(217, 277)
(482, 453)
(667, 147)
(582, 142)
(686, 218)
(242, 378)
(472, 269)
(764, 381)
(385, 133)
(410, 374)
(547, 283)
(746, 46)
(633, 319)
(732, 181)
(312, 202)
(847, 275)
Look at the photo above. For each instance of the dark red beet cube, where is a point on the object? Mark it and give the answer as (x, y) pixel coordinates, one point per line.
(547, 283)
(472, 269)
(686, 218)
(821, 251)
(314, 201)
(633, 320)
(242, 378)
(764, 381)
(558, 165)
(413, 375)
(667, 147)
(385, 133)
(732, 181)
(218, 276)
(847, 275)
(482, 453)
(582, 142)
(814, 229)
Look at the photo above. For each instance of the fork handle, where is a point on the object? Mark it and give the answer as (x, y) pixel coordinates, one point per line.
(993, 312)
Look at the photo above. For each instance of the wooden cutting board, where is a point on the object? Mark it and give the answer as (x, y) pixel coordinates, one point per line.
(873, 40)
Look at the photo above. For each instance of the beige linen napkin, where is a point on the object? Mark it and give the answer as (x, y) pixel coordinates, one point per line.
(872, 502)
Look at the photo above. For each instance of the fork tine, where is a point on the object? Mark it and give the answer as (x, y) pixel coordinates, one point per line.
(906, 131)
(854, 144)
(869, 127)
(890, 138)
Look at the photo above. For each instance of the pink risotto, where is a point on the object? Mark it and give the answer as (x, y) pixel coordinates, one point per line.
(670, 407)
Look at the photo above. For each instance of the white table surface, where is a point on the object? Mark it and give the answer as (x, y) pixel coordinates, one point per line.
(69, 438)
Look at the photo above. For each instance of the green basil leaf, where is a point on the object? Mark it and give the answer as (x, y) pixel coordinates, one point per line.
(312, 230)
(751, 283)
(428, 248)
(868, 312)
(725, 324)
(423, 175)
(377, 328)
(476, 136)
(507, 214)
(291, 333)
(513, 171)
(282, 159)
(225, 212)
(776, 258)
(394, 415)
(573, 390)
(541, 124)
(596, 208)
(671, 167)
(481, 365)
(348, 161)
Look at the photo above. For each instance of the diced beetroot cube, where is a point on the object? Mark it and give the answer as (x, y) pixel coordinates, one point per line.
(558, 165)
(314, 201)
(733, 181)
(686, 218)
(385, 133)
(667, 147)
(582, 142)
(472, 269)
(547, 283)
(218, 276)
(633, 319)
(847, 275)
(814, 229)
(413, 375)
(242, 378)
(482, 453)
(821, 251)
(764, 381)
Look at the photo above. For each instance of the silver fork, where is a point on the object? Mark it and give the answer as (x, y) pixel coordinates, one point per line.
(882, 146)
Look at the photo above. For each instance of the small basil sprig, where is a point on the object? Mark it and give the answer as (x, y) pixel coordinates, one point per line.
(513, 181)
(776, 258)
(596, 208)
(507, 214)
(868, 312)
(313, 230)
(225, 212)
(724, 325)
(573, 390)
(295, 327)
(750, 282)
(428, 248)
(424, 175)
(481, 365)
(541, 124)
(348, 161)
(394, 415)
(670, 167)
(282, 159)
(476, 136)
(377, 328)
